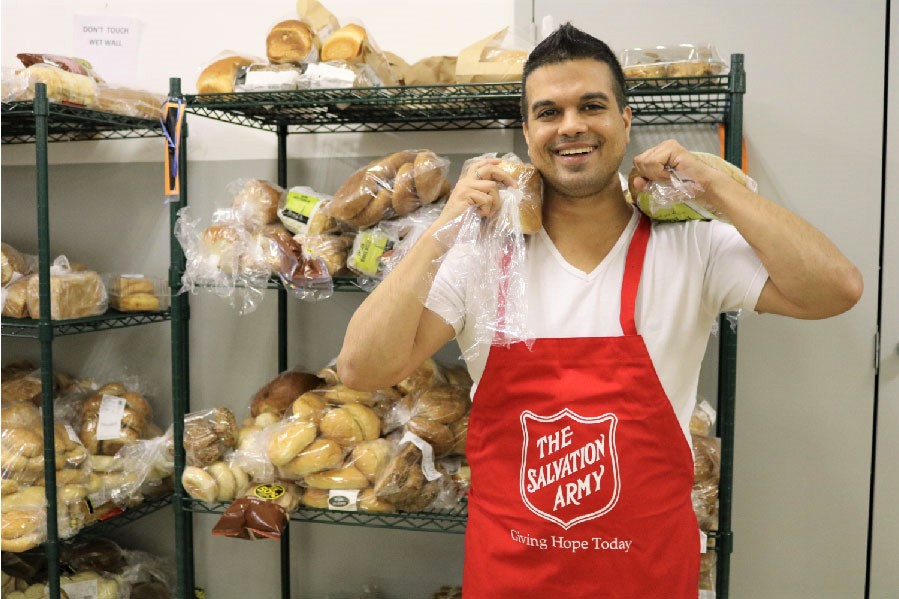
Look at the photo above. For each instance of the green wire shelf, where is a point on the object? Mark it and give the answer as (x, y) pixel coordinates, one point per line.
(109, 524)
(71, 123)
(30, 328)
(450, 521)
(445, 107)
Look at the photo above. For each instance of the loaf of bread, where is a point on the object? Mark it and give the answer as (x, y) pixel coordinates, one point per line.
(130, 102)
(13, 263)
(530, 183)
(256, 203)
(16, 304)
(277, 395)
(345, 44)
(218, 77)
(72, 295)
(291, 41)
(62, 85)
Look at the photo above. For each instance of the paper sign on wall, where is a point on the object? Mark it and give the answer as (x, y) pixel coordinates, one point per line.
(110, 43)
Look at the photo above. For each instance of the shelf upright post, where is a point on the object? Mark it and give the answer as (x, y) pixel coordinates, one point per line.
(45, 331)
(180, 377)
(727, 350)
(282, 353)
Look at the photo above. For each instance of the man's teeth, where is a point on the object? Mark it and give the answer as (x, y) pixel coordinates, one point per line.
(575, 151)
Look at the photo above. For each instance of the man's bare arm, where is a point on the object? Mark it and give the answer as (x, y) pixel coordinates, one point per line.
(392, 332)
(809, 277)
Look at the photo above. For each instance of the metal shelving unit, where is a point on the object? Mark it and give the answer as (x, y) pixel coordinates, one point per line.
(40, 122)
(663, 101)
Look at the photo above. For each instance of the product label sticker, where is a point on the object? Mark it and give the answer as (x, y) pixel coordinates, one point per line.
(368, 249)
(703, 542)
(109, 423)
(83, 589)
(343, 500)
(269, 491)
(300, 206)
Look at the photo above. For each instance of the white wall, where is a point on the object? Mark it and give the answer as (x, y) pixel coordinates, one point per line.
(804, 389)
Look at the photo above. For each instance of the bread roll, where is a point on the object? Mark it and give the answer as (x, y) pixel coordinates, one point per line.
(347, 477)
(218, 77)
(377, 210)
(199, 484)
(368, 501)
(351, 424)
(438, 435)
(341, 394)
(371, 457)
(20, 414)
(405, 199)
(278, 394)
(23, 442)
(321, 454)
(13, 262)
(223, 245)
(316, 498)
(445, 404)
(289, 440)
(309, 407)
(138, 302)
(354, 195)
(428, 374)
(429, 177)
(530, 183)
(290, 41)
(344, 44)
(225, 481)
(256, 204)
(460, 435)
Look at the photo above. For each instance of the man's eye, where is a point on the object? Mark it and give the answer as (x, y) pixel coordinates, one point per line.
(547, 113)
(594, 107)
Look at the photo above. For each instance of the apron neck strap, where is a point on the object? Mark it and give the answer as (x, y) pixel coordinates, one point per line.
(633, 268)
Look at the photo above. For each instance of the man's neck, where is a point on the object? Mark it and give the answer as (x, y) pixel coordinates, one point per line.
(585, 229)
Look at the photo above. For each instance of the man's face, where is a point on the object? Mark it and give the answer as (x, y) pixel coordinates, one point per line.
(576, 133)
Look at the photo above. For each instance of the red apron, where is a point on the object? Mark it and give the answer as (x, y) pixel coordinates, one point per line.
(581, 474)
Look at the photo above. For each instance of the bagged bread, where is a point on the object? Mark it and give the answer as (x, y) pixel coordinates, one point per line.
(498, 57)
(292, 41)
(13, 263)
(219, 75)
(73, 294)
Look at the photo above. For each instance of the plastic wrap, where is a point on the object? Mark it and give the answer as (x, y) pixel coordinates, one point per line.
(676, 199)
(14, 265)
(378, 250)
(73, 293)
(706, 465)
(301, 211)
(209, 435)
(114, 416)
(489, 255)
(222, 480)
(62, 86)
(394, 185)
(268, 77)
(681, 60)
(130, 101)
(136, 292)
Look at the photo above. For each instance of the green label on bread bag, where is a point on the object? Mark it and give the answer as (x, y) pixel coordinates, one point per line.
(370, 246)
(269, 491)
(300, 206)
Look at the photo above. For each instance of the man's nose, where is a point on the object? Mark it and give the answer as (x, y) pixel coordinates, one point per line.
(572, 123)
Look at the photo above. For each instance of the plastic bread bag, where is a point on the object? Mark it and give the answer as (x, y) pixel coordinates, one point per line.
(702, 420)
(442, 404)
(681, 60)
(255, 202)
(208, 435)
(489, 255)
(14, 264)
(707, 570)
(675, 200)
(150, 461)
(214, 259)
(353, 44)
(332, 249)
(302, 211)
(24, 520)
(706, 472)
(136, 292)
(113, 416)
(268, 77)
(73, 293)
(74, 85)
(304, 276)
(262, 512)
(394, 185)
(130, 101)
(102, 585)
(378, 250)
(149, 576)
(222, 480)
(411, 480)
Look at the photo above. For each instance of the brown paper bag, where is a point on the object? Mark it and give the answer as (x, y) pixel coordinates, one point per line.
(487, 61)
(433, 70)
(323, 22)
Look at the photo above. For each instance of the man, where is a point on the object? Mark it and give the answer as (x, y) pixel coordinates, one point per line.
(579, 447)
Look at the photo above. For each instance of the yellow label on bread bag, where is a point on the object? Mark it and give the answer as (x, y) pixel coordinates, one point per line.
(369, 247)
(269, 492)
(300, 206)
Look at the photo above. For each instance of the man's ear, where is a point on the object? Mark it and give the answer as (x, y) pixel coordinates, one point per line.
(627, 115)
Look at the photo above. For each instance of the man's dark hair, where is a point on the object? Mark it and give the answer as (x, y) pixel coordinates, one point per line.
(570, 43)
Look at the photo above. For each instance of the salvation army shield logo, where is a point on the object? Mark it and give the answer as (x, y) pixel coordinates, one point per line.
(569, 466)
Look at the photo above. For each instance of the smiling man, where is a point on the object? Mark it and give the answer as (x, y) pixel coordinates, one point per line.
(597, 410)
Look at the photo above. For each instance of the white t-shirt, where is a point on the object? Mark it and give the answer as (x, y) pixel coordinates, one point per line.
(692, 272)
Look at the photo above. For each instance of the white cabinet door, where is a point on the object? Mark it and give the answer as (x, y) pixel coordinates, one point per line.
(885, 529)
(805, 390)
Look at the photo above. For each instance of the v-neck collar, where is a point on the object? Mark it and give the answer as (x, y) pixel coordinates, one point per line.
(616, 249)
